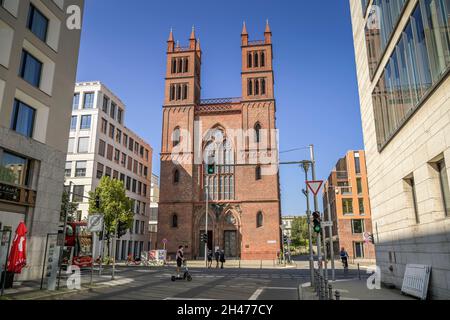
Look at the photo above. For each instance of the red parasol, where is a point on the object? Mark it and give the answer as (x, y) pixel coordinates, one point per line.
(18, 258)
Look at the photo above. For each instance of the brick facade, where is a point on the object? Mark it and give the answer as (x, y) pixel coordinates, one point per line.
(234, 227)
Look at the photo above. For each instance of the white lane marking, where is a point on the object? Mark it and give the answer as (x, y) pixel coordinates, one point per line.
(192, 299)
(256, 294)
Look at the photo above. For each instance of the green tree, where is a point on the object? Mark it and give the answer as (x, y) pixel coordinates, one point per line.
(114, 205)
(300, 233)
(68, 206)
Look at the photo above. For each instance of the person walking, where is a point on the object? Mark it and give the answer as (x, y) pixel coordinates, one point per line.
(217, 256)
(222, 258)
(210, 258)
(344, 258)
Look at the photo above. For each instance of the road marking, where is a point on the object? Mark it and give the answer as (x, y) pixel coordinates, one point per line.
(191, 299)
(256, 294)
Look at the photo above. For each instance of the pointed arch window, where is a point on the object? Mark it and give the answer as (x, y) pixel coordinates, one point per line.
(172, 92)
(176, 137)
(180, 65)
(263, 86)
(178, 92)
(185, 92)
(176, 176)
(174, 220)
(249, 60)
(256, 60)
(250, 87)
(259, 219)
(256, 87)
(174, 65)
(263, 59)
(186, 65)
(257, 132)
(258, 175)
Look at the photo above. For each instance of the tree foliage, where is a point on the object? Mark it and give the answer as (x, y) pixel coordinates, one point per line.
(300, 233)
(114, 204)
(68, 207)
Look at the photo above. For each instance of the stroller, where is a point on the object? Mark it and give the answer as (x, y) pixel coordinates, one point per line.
(186, 275)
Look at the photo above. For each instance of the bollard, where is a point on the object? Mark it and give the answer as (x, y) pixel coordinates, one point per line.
(337, 294)
(330, 292)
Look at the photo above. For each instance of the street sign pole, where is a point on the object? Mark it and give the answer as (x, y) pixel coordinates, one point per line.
(333, 269)
(206, 222)
(308, 215)
(316, 208)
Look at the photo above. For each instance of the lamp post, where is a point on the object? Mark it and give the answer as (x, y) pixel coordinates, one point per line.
(316, 208)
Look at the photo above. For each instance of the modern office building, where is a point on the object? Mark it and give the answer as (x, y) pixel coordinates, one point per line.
(101, 145)
(346, 193)
(403, 60)
(244, 215)
(38, 63)
(153, 221)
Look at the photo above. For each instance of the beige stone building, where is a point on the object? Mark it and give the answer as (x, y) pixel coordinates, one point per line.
(403, 60)
(38, 63)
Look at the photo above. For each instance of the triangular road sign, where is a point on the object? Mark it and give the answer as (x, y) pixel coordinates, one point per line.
(314, 186)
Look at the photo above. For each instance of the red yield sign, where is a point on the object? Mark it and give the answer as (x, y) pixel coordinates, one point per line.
(314, 186)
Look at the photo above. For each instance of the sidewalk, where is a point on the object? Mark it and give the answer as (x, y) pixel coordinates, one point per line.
(249, 264)
(355, 289)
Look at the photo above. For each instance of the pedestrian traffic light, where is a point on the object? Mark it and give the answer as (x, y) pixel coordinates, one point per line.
(204, 238)
(317, 227)
(121, 229)
(211, 169)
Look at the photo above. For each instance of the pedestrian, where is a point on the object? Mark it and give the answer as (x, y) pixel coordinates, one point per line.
(344, 257)
(222, 258)
(210, 258)
(217, 256)
(180, 259)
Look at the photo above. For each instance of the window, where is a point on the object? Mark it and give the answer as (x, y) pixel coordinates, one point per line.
(362, 210)
(359, 250)
(14, 169)
(176, 176)
(357, 226)
(263, 86)
(37, 23)
(78, 194)
(259, 219)
(123, 162)
(141, 151)
(104, 127)
(344, 187)
(85, 122)
(76, 101)
(125, 139)
(130, 164)
(115, 175)
(174, 221)
(128, 185)
(185, 92)
(256, 87)
(146, 154)
(411, 189)
(258, 173)
(83, 145)
(443, 177)
(109, 152)
(136, 147)
(347, 206)
(172, 92)
(249, 60)
(256, 59)
(119, 115)
(80, 169)
(73, 123)
(112, 129)
(178, 92)
(257, 133)
(105, 104)
(100, 169)
(108, 172)
(249, 87)
(71, 145)
(68, 169)
(130, 144)
(119, 136)
(22, 120)
(176, 137)
(174, 65)
(117, 156)
(133, 186)
(142, 228)
(139, 188)
(263, 59)
(135, 167)
(420, 59)
(122, 178)
(101, 148)
(145, 171)
(112, 111)
(359, 185)
(88, 100)
(30, 69)
(357, 163)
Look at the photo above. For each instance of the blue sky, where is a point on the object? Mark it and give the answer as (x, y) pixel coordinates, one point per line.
(124, 44)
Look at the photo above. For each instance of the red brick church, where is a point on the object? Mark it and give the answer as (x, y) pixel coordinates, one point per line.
(236, 133)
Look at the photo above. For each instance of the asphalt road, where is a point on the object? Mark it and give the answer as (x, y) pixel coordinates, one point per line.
(141, 283)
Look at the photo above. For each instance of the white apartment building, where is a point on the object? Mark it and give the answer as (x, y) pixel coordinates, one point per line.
(403, 62)
(101, 145)
(153, 222)
(38, 63)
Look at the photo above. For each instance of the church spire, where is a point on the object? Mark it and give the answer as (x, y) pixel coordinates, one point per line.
(170, 41)
(192, 40)
(268, 33)
(244, 35)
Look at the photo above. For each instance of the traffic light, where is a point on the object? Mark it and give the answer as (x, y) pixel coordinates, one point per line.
(285, 238)
(317, 227)
(211, 169)
(121, 229)
(372, 239)
(204, 238)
